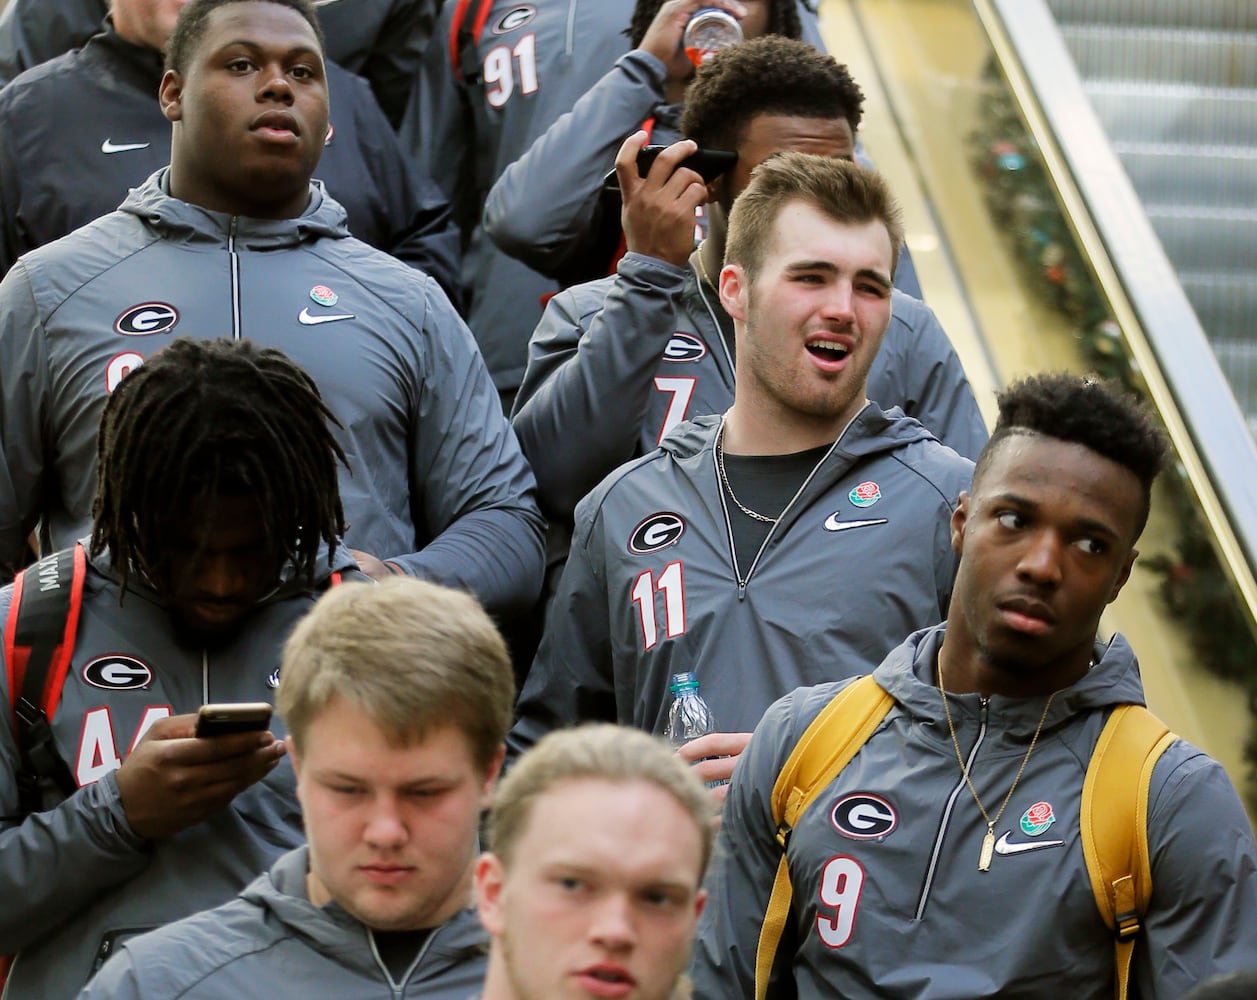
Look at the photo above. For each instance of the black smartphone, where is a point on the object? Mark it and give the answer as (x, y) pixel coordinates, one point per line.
(233, 717)
(707, 163)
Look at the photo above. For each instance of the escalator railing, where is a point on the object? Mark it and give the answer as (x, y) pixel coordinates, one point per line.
(1159, 330)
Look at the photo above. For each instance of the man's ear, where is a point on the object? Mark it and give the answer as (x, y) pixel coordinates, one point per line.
(170, 95)
(958, 518)
(490, 877)
(1123, 575)
(734, 286)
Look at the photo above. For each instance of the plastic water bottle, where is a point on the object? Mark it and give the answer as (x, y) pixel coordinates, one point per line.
(689, 717)
(708, 31)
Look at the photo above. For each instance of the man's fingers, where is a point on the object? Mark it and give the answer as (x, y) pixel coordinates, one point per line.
(199, 779)
(714, 745)
(626, 162)
(173, 727)
(209, 749)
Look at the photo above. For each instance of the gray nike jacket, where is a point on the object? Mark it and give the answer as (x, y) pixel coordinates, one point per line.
(652, 589)
(888, 898)
(75, 878)
(273, 942)
(437, 483)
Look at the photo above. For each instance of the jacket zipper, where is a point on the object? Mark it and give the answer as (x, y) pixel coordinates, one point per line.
(742, 581)
(399, 988)
(235, 278)
(570, 40)
(947, 811)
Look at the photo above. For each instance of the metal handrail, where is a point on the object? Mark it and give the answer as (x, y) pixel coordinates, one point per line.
(1157, 322)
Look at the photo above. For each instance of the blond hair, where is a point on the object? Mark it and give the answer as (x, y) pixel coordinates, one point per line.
(846, 192)
(594, 752)
(413, 655)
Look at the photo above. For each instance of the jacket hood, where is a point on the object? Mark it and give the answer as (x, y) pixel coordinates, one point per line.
(331, 931)
(908, 673)
(873, 431)
(153, 205)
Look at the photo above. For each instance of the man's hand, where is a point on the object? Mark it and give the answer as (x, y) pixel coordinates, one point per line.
(658, 216)
(664, 37)
(173, 780)
(369, 564)
(713, 757)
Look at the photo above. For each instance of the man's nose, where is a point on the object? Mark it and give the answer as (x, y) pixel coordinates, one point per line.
(385, 827)
(612, 926)
(274, 84)
(1041, 559)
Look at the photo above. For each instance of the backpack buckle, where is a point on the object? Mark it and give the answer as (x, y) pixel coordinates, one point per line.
(1126, 925)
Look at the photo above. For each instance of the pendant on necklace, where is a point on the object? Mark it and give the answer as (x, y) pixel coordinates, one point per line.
(988, 849)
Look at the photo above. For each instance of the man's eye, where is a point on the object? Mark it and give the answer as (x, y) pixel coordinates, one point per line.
(347, 790)
(1092, 546)
(1010, 519)
(303, 72)
(240, 65)
(570, 883)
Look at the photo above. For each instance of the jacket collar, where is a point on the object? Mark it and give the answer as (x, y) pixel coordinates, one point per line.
(118, 61)
(334, 932)
(181, 221)
(909, 674)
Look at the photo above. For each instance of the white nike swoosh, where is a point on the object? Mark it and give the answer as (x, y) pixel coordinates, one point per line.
(109, 146)
(310, 320)
(1002, 846)
(833, 524)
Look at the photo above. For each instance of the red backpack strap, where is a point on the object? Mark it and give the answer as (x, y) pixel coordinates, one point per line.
(39, 636)
(463, 40)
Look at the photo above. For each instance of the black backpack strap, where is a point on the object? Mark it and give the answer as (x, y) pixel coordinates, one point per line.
(464, 38)
(39, 641)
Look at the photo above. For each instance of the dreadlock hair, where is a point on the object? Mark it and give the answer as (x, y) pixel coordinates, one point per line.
(1082, 409)
(190, 26)
(766, 76)
(783, 20)
(218, 418)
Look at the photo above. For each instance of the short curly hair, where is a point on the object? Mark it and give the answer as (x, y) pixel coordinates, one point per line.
(766, 76)
(783, 19)
(1100, 415)
(192, 20)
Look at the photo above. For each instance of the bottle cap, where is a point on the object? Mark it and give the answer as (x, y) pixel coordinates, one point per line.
(684, 682)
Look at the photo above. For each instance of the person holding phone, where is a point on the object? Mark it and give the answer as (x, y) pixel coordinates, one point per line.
(397, 698)
(217, 523)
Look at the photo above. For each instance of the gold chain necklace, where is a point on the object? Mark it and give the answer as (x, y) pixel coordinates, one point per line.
(988, 841)
(724, 478)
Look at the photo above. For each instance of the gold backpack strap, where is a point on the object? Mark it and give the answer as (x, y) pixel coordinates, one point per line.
(1114, 824)
(825, 748)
